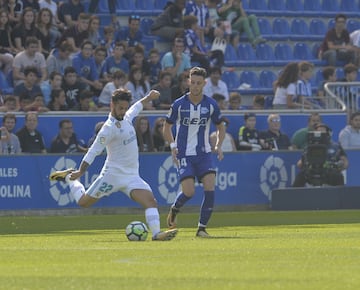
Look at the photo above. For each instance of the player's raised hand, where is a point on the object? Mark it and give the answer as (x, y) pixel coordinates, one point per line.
(153, 95)
(219, 152)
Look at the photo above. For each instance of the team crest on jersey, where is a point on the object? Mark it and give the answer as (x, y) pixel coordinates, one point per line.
(204, 110)
(102, 140)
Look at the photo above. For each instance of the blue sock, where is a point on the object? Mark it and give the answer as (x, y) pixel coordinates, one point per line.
(181, 199)
(206, 207)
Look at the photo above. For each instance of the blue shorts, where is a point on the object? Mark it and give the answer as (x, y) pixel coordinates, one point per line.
(195, 166)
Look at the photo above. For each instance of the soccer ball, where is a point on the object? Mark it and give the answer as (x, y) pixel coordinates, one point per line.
(136, 231)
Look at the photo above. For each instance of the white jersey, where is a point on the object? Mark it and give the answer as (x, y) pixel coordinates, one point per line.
(119, 139)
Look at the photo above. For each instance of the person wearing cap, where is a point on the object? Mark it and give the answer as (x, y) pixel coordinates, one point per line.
(273, 138)
(330, 171)
(249, 135)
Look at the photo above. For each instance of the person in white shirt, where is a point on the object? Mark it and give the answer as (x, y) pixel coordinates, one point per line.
(121, 168)
(214, 84)
(349, 137)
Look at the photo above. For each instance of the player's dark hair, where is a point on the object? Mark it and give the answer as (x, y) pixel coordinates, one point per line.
(121, 95)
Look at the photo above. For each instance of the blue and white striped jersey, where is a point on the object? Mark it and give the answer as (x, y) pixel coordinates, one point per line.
(192, 124)
(201, 12)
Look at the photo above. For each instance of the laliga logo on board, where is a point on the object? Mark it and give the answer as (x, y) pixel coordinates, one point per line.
(169, 185)
(58, 190)
(273, 175)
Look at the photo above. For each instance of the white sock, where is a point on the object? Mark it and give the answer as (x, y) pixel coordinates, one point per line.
(76, 188)
(153, 220)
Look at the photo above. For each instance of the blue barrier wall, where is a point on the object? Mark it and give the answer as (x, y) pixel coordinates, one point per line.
(244, 178)
(84, 124)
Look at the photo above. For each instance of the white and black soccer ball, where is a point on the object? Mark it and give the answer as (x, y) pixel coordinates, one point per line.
(136, 231)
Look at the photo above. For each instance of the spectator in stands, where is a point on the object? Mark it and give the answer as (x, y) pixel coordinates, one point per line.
(119, 80)
(59, 58)
(220, 100)
(138, 86)
(197, 52)
(154, 65)
(66, 141)
(176, 61)
(214, 84)
(10, 104)
(235, 101)
(299, 138)
(228, 144)
(217, 27)
(72, 87)
(36, 104)
(29, 57)
(248, 134)
(355, 41)
(131, 34)
(108, 41)
(336, 162)
(143, 134)
(31, 140)
(46, 35)
(285, 88)
(85, 66)
(7, 48)
(349, 94)
(86, 102)
(200, 10)
(160, 145)
(169, 24)
(233, 11)
(14, 9)
(58, 100)
(99, 57)
(75, 35)
(57, 25)
(25, 29)
(349, 137)
(112, 8)
(97, 128)
(329, 75)
(139, 59)
(54, 83)
(69, 12)
(116, 61)
(93, 31)
(303, 86)
(181, 87)
(29, 86)
(164, 88)
(273, 138)
(336, 44)
(258, 102)
(10, 145)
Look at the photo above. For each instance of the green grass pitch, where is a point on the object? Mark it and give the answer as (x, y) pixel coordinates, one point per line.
(249, 250)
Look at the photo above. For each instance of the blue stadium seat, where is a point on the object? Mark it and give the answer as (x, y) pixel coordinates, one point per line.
(319, 77)
(283, 53)
(340, 73)
(103, 7)
(258, 4)
(294, 5)
(160, 4)
(317, 27)
(230, 56)
(348, 5)
(330, 6)
(124, 7)
(277, 5)
(265, 26)
(302, 51)
(331, 23)
(145, 7)
(5, 87)
(299, 29)
(265, 53)
(267, 78)
(315, 50)
(268, 102)
(352, 25)
(145, 25)
(281, 28)
(312, 6)
(246, 55)
(231, 79)
(250, 78)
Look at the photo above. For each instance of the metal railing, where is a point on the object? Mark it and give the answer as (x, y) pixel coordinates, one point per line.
(344, 96)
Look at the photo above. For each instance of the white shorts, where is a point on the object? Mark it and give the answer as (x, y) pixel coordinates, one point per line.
(105, 185)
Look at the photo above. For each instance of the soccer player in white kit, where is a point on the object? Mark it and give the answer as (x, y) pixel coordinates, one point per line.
(121, 168)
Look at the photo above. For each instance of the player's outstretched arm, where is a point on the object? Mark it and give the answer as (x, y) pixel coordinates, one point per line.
(151, 96)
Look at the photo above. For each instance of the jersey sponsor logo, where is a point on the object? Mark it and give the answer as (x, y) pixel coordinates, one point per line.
(194, 121)
(273, 175)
